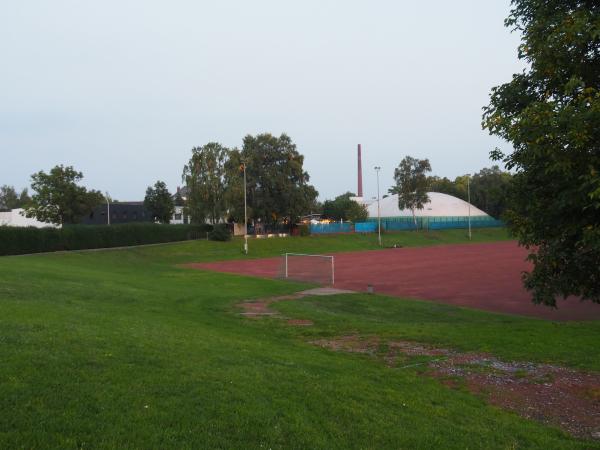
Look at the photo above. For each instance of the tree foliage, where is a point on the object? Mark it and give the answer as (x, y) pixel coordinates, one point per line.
(159, 202)
(10, 199)
(550, 113)
(58, 199)
(278, 188)
(204, 176)
(489, 189)
(411, 184)
(344, 208)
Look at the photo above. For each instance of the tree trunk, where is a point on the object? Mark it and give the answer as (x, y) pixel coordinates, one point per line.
(414, 218)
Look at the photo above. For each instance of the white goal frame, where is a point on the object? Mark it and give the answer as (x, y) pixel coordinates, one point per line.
(332, 258)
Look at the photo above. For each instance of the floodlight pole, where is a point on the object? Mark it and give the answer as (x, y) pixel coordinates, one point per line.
(469, 200)
(377, 169)
(245, 215)
(108, 208)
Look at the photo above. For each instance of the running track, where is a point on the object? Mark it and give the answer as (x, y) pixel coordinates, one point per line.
(483, 276)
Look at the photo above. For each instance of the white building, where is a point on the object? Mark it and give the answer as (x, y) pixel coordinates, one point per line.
(439, 205)
(178, 217)
(16, 218)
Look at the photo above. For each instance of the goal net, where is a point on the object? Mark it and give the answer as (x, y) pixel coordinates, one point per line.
(318, 269)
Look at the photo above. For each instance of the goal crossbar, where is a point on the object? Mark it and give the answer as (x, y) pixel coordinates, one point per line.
(306, 267)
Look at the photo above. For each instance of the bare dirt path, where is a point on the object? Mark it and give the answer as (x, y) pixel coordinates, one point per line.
(256, 309)
(554, 395)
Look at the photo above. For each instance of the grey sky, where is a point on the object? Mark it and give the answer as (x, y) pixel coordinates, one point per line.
(123, 89)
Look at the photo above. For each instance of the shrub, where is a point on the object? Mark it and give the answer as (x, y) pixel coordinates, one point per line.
(22, 240)
(220, 232)
(304, 230)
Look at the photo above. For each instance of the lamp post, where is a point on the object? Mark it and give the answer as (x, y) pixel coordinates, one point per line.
(469, 200)
(245, 214)
(377, 169)
(108, 208)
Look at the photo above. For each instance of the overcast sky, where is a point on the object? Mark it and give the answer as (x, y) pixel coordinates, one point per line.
(122, 90)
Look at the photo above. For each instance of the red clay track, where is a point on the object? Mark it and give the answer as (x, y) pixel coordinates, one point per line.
(482, 276)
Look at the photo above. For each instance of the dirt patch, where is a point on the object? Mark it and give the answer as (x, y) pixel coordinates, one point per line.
(300, 322)
(547, 393)
(256, 309)
(351, 344)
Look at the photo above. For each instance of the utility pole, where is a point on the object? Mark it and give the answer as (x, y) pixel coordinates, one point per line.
(469, 200)
(377, 169)
(108, 208)
(245, 215)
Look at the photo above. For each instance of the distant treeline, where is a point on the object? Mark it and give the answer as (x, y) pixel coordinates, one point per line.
(489, 189)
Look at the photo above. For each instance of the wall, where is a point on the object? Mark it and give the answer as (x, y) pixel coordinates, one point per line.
(16, 218)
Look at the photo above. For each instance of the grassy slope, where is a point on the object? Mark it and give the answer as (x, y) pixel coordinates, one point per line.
(201, 251)
(122, 349)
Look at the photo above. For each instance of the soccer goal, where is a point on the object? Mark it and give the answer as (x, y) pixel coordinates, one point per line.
(311, 268)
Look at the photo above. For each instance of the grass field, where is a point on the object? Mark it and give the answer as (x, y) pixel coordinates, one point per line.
(123, 349)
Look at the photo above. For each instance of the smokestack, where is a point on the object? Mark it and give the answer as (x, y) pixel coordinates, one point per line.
(360, 187)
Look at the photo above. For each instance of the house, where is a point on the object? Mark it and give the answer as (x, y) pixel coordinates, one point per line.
(120, 212)
(179, 198)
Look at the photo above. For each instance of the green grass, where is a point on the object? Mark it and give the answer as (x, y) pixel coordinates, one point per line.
(201, 251)
(123, 349)
(509, 337)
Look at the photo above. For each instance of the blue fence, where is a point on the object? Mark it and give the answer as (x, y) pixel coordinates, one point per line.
(326, 228)
(435, 223)
(407, 223)
(365, 227)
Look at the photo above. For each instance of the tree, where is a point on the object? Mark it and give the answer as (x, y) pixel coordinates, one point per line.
(234, 188)
(277, 185)
(58, 199)
(489, 189)
(443, 185)
(550, 113)
(159, 202)
(204, 176)
(357, 212)
(411, 184)
(9, 199)
(344, 208)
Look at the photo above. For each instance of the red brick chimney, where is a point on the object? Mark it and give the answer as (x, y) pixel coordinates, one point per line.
(360, 186)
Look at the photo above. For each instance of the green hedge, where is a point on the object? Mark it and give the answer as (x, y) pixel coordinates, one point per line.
(22, 240)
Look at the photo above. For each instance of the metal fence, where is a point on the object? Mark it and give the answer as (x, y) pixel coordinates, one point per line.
(407, 223)
(433, 223)
(328, 228)
(365, 227)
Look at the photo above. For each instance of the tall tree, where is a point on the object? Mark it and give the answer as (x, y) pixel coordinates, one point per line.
(234, 188)
(550, 113)
(277, 185)
(159, 202)
(204, 176)
(411, 184)
(58, 199)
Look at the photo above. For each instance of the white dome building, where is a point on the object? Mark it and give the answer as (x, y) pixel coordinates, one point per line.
(439, 205)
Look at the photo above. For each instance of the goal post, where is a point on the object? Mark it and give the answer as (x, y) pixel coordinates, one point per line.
(310, 268)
